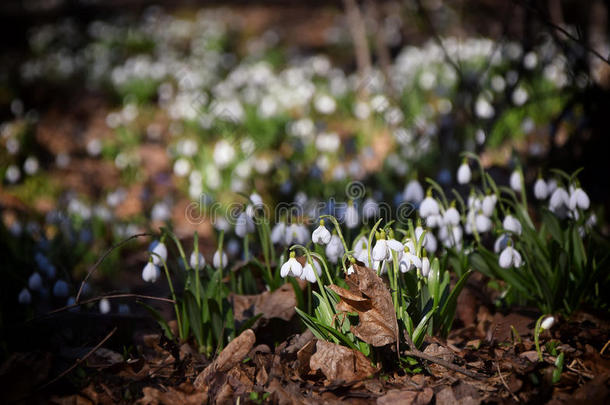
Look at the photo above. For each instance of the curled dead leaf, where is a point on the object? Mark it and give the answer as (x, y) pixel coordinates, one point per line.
(371, 300)
(340, 363)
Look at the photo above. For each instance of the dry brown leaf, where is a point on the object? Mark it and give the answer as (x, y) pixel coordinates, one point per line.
(339, 363)
(405, 397)
(279, 303)
(231, 355)
(371, 300)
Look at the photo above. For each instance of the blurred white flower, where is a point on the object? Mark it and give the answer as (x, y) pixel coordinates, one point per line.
(60, 289)
(218, 261)
(325, 104)
(509, 257)
(197, 261)
(451, 216)
(547, 323)
(104, 306)
(30, 166)
(515, 181)
(414, 192)
(308, 271)
(541, 190)
(579, 199)
(278, 233)
(429, 206)
(464, 174)
(351, 216)
(12, 174)
(512, 224)
(159, 253)
(559, 199)
(370, 208)
(483, 223)
(182, 167)
(334, 249)
(150, 272)
(224, 154)
(24, 297)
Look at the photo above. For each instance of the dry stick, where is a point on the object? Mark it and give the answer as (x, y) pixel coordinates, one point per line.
(79, 361)
(417, 353)
(516, 398)
(101, 259)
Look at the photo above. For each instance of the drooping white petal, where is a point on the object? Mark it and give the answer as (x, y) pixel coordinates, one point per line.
(541, 190)
(321, 235)
(197, 261)
(464, 174)
(512, 224)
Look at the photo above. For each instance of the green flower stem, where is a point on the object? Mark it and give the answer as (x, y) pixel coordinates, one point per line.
(171, 289)
(338, 228)
(196, 250)
(537, 330)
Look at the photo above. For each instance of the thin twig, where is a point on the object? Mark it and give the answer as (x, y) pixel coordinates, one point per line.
(101, 259)
(417, 353)
(79, 361)
(516, 398)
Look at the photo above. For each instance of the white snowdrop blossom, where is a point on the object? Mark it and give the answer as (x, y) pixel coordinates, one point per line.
(244, 224)
(483, 223)
(370, 208)
(541, 190)
(380, 250)
(501, 242)
(159, 253)
(515, 181)
(509, 257)
(464, 174)
(409, 261)
(60, 289)
(308, 271)
(224, 154)
(197, 261)
(512, 224)
(429, 206)
(151, 273)
(425, 266)
(24, 296)
(35, 281)
(292, 267)
(220, 261)
(351, 216)
(278, 233)
(334, 249)
(547, 323)
(104, 306)
(488, 204)
(579, 199)
(413, 192)
(451, 217)
(559, 199)
(321, 235)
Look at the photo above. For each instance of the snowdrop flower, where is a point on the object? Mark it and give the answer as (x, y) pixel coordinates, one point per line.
(197, 261)
(409, 261)
(541, 190)
(413, 192)
(151, 273)
(512, 224)
(296, 233)
(158, 252)
(35, 281)
(308, 271)
(547, 323)
(292, 267)
(434, 221)
(425, 266)
(278, 233)
(24, 296)
(451, 216)
(464, 174)
(244, 224)
(489, 204)
(220, 261)
(334, 249)
(256, 199)
(370, 208)
(321, 235)
(509, 257)
(394, 245)
(380, 250)
(224, 153)
(559, 199)
(482, 223)
(515, 181)
(104, 306)
(428, 207)
(360, 245)
(501, 242)
(351, 216)
(60, 289)
(451, 235)
(579, 199)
